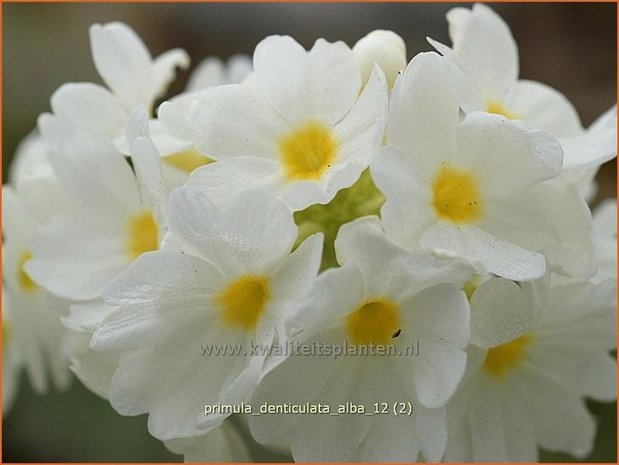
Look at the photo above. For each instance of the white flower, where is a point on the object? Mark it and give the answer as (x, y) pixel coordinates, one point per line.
(529, 392)
(298, 127)
(483, 47)
(384, 48)
(35, 326)
(133, 78)
(118, 215)
(234, 281)
(222, 444)
(388, 297)
(475, 186)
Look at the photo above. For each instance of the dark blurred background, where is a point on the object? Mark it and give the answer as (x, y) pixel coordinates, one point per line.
(571, 47)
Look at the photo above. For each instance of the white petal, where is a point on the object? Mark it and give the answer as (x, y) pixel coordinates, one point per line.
(544, 107)
(483, 40)
(299, 379)
(91, 105)
(75, 258)
(404, 214)
(551, 218)
(596, 146)
(500, 312)
(235, 120)
(422, 106)
(361, 131)
(505, 156)
(559, 417)
(251, 233)
(438, 320)
(123, 61)
(91, 169)
(157, 296)
(322, 83)
(227, 178)
(499, 256)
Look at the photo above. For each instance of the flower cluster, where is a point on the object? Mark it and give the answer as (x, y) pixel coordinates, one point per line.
(335, 197)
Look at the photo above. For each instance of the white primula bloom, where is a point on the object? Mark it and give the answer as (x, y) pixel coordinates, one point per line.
(475, 186)
(35, 325)
(408, 302)
(232, 283)
(11, 358)
(529, 392)
(133, 78)
(484, 48)
(222, 444)
(213, 72)
(299, 126)
(384, 48)
(119, 214)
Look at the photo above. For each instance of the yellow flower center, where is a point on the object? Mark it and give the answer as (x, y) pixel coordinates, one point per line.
(243, 301)
(308, 151)
(497, 108)
(501, 359)
(142, 235)
(187, 160)
(455, 196)
(373, 322)
(26, 283)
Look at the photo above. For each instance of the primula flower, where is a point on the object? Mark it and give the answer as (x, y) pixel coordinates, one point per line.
(134, 78)
(475, 186)
(529, 392)
(485, 50)
(119, 214)
(605, 237)
(35, 329)
(233, 281)
(382, 295)
(298, 126)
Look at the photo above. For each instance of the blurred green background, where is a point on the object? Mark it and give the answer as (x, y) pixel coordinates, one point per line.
(571, 47)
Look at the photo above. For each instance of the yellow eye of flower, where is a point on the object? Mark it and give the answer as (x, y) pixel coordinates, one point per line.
(374, 322)
(503, 358)
(308, 151)
(142, 235)
(498, 109)
(243, 301)
(23, 279)
(455, 196)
